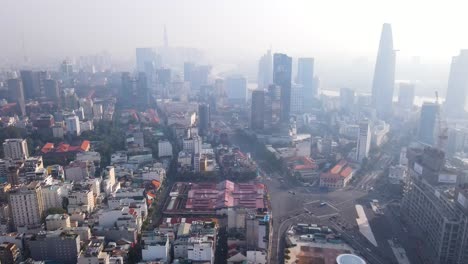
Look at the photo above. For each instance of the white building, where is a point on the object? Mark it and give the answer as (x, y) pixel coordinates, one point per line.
(58, 131)
(379, 133)
(201, 251)
(184, 159)
(73, 125)
(157, 251)
(26, 205)
(364, 141)
(93, 156)
(192, 145)
(120, 217)
(16, 149)
(52, 196)
(158, 174)
(79, 170)
(164, 148)
(80, 201)
(57, 221)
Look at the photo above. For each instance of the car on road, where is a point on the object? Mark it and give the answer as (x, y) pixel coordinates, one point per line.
(322, 204)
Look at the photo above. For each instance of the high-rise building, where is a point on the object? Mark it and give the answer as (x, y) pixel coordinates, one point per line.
(26, 205)
(257, 110)
(346, 99)
(236, 88)
(135, 88)
(265, 70)
(384, 74)
(457, 85)
(52, 90)
(16, 149)
(73, 125)
(31, 84)
(305, 77)
(204, 119)
(406, 95)
(427, 123)
(143, 92)
(297, 98)
(16, 94)
(364, 141)
(282, 70)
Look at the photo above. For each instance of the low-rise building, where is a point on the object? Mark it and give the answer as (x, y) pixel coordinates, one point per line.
(9, 253)
(93, 252)
(57, 221)
(338, 177)
(164, 148)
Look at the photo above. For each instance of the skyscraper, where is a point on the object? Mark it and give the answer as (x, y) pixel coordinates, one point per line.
(257, 109)
(236, 89)
(427, 123)
(384, 74)
(265, 76)
(204, 119)
(297, 98)
(305, 77)
(406, 95)
(52, 90)
(31, 84)
(346, 99)
(457, 85)
(26, 205)
(364, 141)
(16, 94)
(282, 68)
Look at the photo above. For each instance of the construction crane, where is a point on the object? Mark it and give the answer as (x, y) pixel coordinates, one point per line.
(442, 133)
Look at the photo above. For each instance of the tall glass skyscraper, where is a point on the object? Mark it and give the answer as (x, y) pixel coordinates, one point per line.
(305, 77)
(282, 70)
(457, 85)
(384, 74)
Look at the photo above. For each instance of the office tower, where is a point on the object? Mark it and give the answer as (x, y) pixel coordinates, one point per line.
(457, 85)
(16, 149)
(265, 70)
(384, 74)
(163, 81)
(297, 98)
(236, 89)
(146, 58)
(204, 119)
(126, 90)
(52, 90)
(26, 205)
(346, 99)
(282, 77)
(305, 76)
(364, 141)
(406, 95)
(31, 84)
(142, 92)
(436, 208)
(257, 110)
(16, 94)
(70, 99)
(427, 123)
(73, 125)
(199, 76)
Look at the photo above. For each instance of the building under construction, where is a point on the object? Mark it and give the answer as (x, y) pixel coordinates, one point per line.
(435, 205)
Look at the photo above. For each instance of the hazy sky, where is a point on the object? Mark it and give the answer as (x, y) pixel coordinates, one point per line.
(436, 29)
